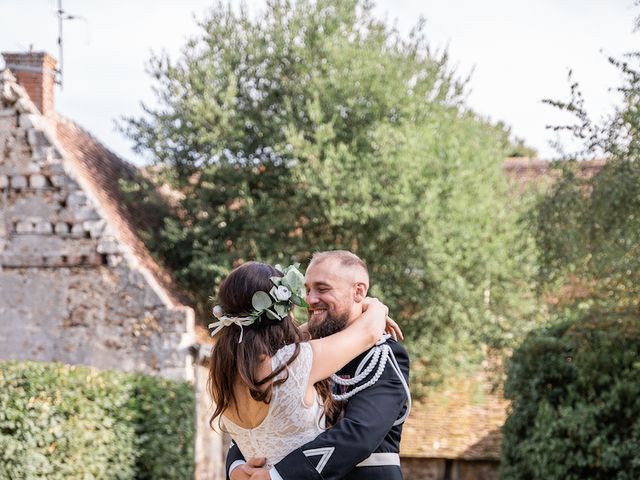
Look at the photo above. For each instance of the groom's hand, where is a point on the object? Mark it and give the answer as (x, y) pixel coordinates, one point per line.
(249, 469)
(261, 474)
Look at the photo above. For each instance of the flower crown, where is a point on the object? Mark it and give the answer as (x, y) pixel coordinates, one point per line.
(287, 290)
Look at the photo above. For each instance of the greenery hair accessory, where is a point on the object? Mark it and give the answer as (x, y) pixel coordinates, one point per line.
(287, 291)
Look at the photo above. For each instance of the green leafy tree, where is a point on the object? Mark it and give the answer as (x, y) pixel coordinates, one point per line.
(313, 125)
(574, 385)
(588, 227)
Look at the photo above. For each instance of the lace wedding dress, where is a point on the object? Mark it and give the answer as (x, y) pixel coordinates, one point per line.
(290, 423)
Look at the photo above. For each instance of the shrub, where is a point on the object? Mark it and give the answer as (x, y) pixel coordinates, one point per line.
(165, 429)
(575, 392)
(66, 422)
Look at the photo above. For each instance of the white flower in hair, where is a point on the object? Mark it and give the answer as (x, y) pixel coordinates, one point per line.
(282, 293)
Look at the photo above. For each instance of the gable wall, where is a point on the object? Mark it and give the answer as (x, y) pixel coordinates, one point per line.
(69, 290)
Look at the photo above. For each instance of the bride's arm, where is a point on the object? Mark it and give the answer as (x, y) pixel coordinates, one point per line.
(392, 329)
(332, 353)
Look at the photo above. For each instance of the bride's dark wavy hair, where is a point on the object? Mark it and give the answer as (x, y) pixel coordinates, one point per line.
(233, 360)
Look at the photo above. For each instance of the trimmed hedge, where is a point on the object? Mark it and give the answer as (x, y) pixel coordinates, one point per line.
(575, 392)
(68, 422)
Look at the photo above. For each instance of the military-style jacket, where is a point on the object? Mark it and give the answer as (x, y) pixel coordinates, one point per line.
(365, 443)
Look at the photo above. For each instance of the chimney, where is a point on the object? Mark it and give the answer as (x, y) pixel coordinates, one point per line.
(36, 72)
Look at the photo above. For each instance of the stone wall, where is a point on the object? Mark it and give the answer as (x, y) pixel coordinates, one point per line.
(103, 317)
(211, 445)
(69, 291)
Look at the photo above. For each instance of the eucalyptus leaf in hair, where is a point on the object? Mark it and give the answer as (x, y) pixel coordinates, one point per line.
(261, 301)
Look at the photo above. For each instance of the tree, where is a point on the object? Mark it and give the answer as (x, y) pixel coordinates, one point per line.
(314, 126)
(588, 228)
(574, 385)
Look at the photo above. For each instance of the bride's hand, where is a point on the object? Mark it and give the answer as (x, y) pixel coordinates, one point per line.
(374, 312)
(391, 327)
(372, 304)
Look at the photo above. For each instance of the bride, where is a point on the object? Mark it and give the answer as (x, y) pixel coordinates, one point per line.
(267, 380)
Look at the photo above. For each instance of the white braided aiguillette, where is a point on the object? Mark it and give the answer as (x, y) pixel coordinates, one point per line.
(383, 361)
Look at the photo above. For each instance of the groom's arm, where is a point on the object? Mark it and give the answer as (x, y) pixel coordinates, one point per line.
(234, 460)
(368, 418)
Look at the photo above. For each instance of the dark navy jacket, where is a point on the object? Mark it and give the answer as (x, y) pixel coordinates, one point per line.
(367, 427)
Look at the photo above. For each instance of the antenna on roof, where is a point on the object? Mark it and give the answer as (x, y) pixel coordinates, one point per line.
(62, 16)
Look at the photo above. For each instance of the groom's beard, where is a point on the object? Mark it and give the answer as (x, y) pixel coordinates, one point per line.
(332, 323)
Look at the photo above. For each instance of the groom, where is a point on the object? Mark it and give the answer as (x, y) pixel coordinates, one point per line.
(365, 443)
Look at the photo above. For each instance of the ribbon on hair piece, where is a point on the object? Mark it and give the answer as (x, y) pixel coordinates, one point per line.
(225, 321)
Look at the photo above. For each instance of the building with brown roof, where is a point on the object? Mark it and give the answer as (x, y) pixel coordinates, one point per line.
(76, 282)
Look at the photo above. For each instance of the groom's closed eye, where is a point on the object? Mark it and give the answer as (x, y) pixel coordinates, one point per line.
(319, 288)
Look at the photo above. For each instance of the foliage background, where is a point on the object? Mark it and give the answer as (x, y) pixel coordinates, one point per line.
(315, 126)
(587, 230)
(574, 386)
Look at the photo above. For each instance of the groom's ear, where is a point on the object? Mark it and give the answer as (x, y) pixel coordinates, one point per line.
(360, 291)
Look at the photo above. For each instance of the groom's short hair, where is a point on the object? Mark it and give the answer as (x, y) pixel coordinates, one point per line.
(344, 257)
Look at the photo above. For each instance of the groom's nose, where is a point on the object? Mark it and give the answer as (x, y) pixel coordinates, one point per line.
(312, 297)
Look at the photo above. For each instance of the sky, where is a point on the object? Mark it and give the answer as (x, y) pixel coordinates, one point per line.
(517, 52)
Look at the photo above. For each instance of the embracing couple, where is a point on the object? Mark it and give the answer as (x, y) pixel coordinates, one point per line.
(322, 401)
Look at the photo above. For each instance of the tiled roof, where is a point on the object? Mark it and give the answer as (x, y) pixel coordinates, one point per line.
(525, 169)
(461, 420)
(100, 170)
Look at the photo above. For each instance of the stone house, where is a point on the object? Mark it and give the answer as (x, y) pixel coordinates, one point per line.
(77, 284)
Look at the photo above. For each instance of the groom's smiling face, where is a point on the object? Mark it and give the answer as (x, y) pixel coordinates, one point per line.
(333, 297)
